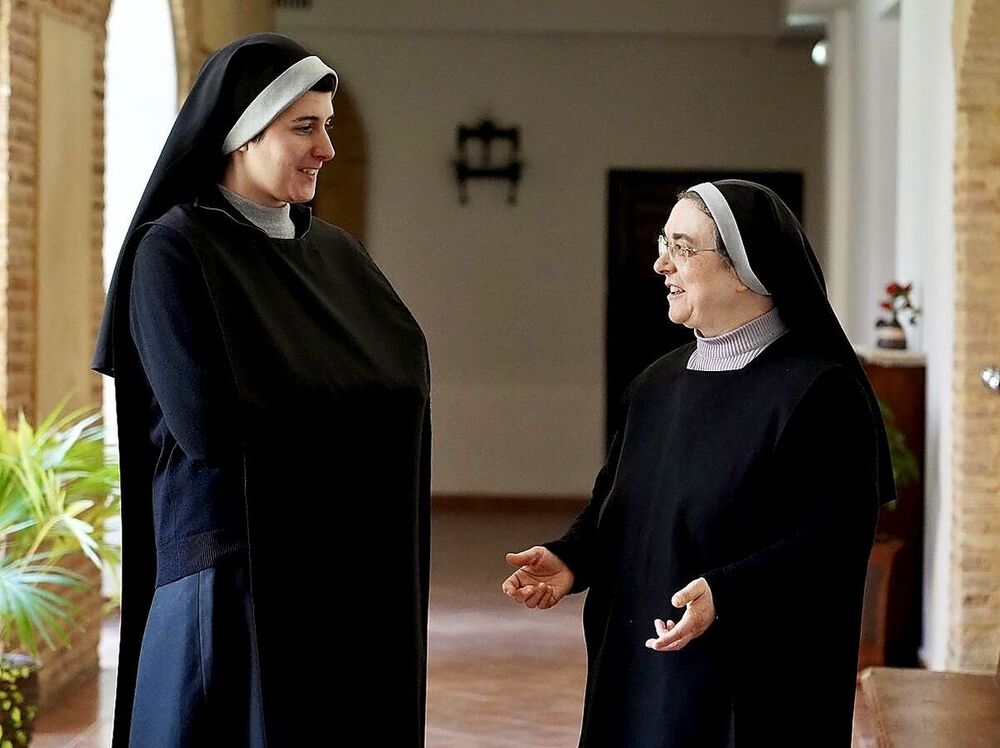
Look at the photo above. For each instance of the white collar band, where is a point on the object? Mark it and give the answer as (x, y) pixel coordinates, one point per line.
(722, 214)
(275, 98)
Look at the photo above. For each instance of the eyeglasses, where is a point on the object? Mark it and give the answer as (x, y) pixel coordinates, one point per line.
(677, 251)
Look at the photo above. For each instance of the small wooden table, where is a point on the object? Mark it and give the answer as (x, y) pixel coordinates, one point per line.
(927, 709)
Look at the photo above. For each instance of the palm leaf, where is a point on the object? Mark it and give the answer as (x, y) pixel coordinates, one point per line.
(30, 610)
(59, 492)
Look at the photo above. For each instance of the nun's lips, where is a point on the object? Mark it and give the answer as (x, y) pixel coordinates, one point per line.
(674, 290)
(312, 171)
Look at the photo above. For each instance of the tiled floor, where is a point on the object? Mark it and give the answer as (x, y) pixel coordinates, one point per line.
(498, 675)
(82, 717)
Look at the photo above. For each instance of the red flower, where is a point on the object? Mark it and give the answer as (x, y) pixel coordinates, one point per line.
(898, 300)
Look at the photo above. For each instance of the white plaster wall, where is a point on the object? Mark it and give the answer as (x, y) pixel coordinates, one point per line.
(512, 298)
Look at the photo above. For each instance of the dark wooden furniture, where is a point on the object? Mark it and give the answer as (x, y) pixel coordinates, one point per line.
(899, 380)
(925, 709)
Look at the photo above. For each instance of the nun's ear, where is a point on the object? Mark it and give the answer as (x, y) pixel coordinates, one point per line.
(741, 287)
(738, 284)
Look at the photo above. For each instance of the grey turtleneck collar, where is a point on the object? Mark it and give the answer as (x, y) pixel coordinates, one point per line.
(735, 349)
(275, 222)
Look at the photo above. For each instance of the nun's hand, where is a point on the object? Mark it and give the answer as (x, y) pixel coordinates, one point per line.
(542, 579)
(698, 616)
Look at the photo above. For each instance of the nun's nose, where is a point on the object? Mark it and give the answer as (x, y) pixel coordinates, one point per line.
(663, 264)
(325, 149)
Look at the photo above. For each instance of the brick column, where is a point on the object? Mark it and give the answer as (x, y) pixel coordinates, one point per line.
(974, 630)
(21, 201)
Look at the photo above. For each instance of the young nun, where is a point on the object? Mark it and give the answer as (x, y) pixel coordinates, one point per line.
(272, 395)
(726, 542)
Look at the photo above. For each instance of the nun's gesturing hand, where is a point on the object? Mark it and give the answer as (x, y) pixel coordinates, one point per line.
(542, 579)
(696, 597)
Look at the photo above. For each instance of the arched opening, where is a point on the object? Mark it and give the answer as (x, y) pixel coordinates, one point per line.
(140, 105)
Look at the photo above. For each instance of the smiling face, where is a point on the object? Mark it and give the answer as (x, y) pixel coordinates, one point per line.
(704, 291)
(281, 166)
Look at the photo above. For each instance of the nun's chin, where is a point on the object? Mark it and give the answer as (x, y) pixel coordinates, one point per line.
(302, 194)
(678, 314)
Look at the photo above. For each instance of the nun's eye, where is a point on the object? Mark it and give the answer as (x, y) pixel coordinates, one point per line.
(677, 251)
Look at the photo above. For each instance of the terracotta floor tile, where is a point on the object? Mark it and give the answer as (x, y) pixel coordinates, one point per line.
(499, 676)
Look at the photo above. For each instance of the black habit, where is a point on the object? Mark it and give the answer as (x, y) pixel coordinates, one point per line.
(274, 435)
(766, 481)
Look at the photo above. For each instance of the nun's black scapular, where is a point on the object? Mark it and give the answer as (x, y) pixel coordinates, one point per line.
(766, 481)
(274, 434)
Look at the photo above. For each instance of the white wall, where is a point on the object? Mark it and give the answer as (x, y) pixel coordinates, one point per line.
(678, 17)
(874, 235)
(140, 103)
(512, 298)
(842, 71)
(864, 90)
(925, 251)
(892, 126)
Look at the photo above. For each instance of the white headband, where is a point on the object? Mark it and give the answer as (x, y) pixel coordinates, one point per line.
(716, 203)
(275, 98)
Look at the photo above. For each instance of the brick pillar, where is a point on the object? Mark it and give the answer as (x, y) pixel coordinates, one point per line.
(21, 130)
(32, 98)
(974, 628)
(30, 221)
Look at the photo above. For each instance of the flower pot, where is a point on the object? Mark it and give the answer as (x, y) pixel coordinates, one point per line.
(890, 335)
(18, 698)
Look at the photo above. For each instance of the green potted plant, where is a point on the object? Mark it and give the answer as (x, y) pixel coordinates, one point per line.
(58, 491)
(904, 462)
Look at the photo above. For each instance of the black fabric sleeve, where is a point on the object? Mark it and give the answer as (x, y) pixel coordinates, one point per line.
(577, 546)
(824, 474)
(177, 335)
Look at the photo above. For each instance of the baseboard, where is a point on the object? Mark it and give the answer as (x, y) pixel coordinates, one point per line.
(922, 659)
(508, 504)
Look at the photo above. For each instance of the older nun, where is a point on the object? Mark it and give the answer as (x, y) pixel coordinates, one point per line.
(726, 540)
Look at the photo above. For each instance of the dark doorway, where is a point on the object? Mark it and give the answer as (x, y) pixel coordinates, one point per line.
(638, 329)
